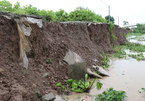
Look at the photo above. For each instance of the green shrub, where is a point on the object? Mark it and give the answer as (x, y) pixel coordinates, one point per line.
(99, 85)
(84, 14)
(78, 86)
(119, 52)
(5, 6)
(134, 47)
(140, 28)
(105, 61)
(137, 56)
(111, 95)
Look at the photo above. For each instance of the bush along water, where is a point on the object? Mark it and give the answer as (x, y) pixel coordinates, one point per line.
(111, 95)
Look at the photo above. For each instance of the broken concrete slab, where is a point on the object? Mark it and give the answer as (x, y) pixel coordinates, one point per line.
(72, 58)
(48, 97)
(93, 73)
(101, 71)
(59, 98)
(77, 66)
(77, 70)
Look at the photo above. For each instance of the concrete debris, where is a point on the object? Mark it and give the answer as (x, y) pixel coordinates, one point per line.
(101, 71)
(48, 97)
(72, 58)
(93, 73)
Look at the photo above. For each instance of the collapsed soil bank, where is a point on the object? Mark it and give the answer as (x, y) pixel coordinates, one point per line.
(52, 41)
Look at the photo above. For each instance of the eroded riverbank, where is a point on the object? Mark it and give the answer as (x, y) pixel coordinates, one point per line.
(126, 74)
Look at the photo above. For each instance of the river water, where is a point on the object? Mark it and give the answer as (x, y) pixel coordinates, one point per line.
(125, 74)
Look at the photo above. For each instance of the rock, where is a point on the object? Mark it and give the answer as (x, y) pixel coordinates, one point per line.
(72, 58)
(110, 62)
(77, 71)
(101, 71)
(93, 73)
(59, 98)
(48, 97)
(46, 75)
(1, 70)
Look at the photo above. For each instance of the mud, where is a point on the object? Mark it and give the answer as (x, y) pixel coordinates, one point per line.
(52, 41)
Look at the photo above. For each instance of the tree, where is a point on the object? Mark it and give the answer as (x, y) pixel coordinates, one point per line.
(111, 19)
(61, 15)
(29, 9)
(5, 6)
(84, 14)
(125, 23)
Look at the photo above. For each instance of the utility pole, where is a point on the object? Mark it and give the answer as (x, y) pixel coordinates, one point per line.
(109, 12)
(118, 20)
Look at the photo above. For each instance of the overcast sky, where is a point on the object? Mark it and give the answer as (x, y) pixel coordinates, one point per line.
(132, 11)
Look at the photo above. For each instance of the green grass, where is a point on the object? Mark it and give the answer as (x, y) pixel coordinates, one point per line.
(111, 95)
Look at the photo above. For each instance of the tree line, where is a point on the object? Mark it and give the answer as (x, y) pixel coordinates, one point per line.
(79, 14)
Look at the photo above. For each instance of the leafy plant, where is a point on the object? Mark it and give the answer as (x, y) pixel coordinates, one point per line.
(76, 85)
(119, 52)
(111, 19)
(137, 56)
(134, 47)
(105, 60)
(111, 95)
(99, 85)
(60, 86)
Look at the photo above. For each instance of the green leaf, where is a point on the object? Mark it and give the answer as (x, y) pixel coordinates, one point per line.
(59, 84)
(99, 85)
(86, 77)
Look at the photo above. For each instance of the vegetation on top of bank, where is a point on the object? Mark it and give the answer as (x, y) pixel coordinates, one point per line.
(79, 14)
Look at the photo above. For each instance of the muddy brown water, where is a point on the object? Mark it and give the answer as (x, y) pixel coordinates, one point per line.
(125, 74)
